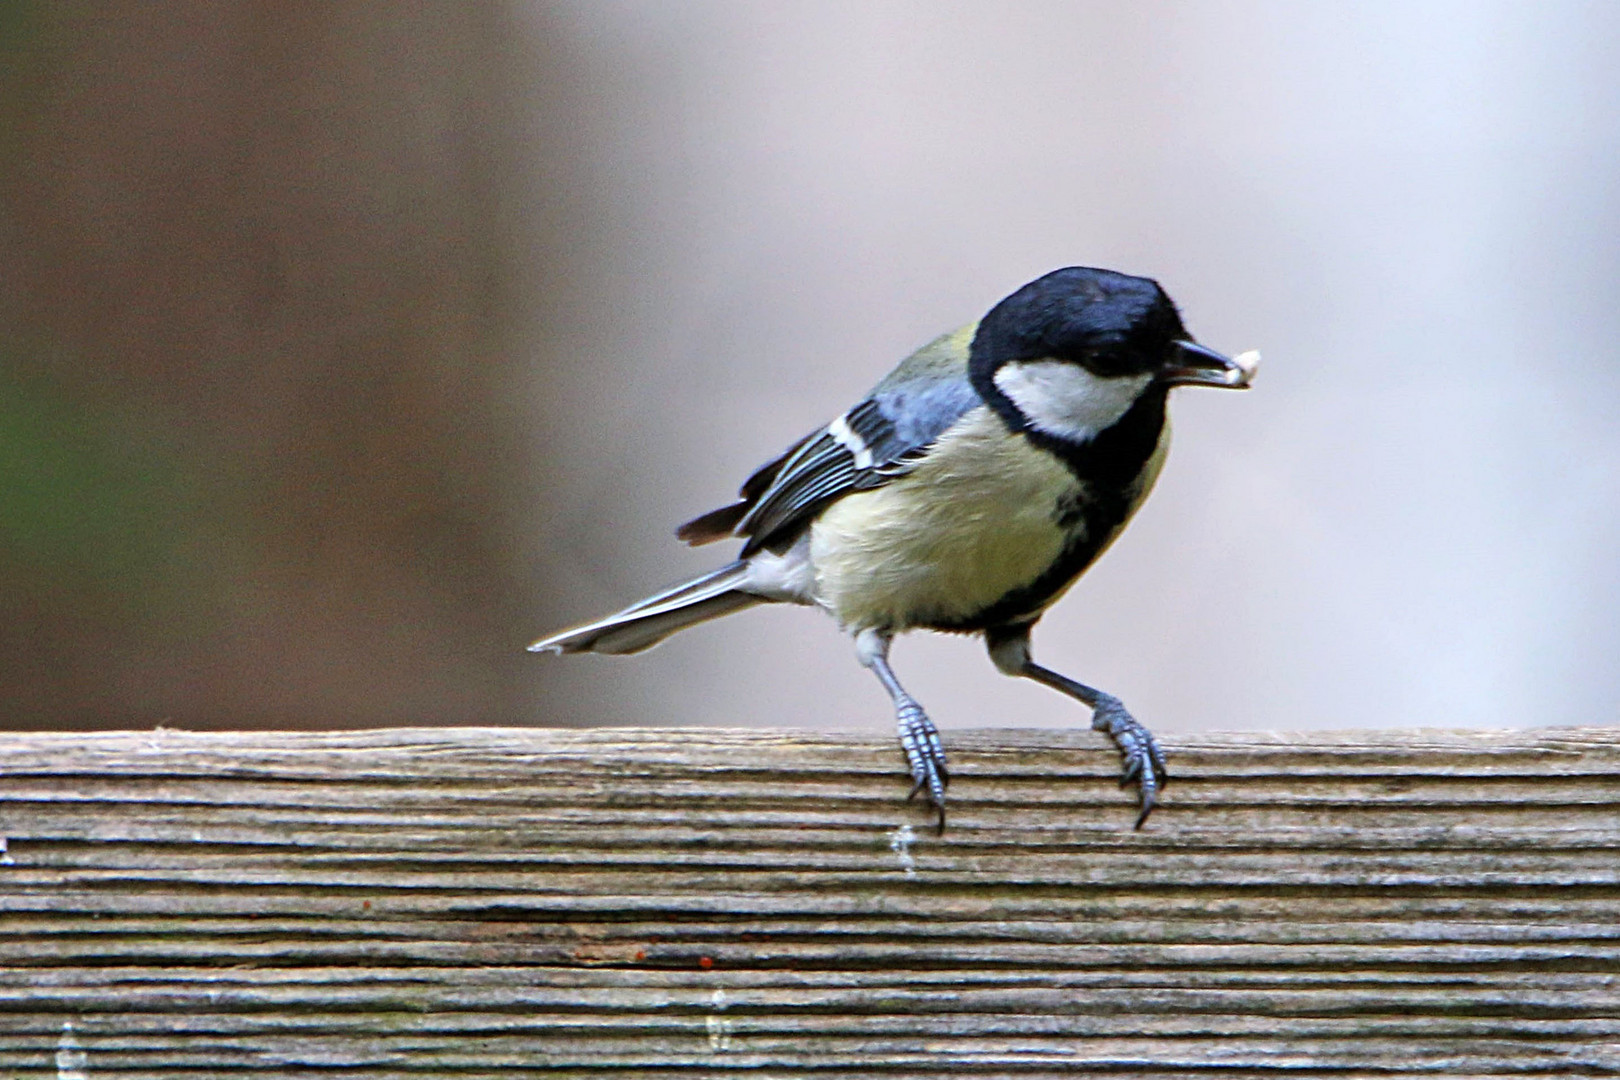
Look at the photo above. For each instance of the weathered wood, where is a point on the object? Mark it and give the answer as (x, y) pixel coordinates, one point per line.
(617, 903)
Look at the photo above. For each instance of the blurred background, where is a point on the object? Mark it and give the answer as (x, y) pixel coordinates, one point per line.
(347, 348)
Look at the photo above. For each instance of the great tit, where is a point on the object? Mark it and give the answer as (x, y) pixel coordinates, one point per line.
(965, 494)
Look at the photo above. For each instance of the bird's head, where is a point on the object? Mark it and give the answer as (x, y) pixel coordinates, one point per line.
(1072, 351)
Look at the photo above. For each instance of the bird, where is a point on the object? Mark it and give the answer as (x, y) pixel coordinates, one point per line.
(965, 494)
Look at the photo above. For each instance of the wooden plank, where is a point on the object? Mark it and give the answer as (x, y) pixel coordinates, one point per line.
(626, 903)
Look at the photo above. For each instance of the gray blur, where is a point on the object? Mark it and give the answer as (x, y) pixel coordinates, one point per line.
(349, 350)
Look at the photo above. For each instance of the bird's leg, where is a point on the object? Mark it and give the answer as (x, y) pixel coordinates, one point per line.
(925, 754)
(1144, 761)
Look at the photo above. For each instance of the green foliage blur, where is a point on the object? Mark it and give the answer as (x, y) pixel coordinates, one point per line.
(94, 507)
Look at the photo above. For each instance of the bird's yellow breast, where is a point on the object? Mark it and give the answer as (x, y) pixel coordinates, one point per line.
(976, 519)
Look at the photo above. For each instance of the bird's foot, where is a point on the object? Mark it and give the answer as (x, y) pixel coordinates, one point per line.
(1144, 761)
(925, 754)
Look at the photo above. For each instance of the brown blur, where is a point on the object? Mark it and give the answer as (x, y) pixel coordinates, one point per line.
(346, 348)
(268, 269)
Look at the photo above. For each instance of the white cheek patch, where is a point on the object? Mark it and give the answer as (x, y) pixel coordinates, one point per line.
(1065, 399)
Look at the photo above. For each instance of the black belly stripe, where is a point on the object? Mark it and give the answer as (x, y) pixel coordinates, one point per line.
(1109, 467)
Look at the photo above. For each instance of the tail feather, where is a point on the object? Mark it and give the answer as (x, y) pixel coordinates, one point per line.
(644, 624)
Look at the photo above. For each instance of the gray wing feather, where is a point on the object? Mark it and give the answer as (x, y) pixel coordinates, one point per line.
(869, 445)
(823, 469)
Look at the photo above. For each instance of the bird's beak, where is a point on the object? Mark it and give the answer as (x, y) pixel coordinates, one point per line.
(1199, 366)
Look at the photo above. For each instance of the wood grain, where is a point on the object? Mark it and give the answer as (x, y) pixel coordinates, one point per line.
(651, 903)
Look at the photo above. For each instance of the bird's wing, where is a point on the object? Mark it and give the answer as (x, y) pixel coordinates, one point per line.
(864, 448)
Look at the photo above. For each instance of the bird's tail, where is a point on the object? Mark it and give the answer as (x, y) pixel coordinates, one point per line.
(645, 624)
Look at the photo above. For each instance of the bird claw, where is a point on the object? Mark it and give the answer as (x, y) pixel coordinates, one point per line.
(1144, 760)
(925, 754)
